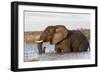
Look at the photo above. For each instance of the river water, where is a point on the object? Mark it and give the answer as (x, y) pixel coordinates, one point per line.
(31, 54)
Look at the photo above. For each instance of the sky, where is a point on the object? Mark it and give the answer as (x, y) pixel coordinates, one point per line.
(38, 21)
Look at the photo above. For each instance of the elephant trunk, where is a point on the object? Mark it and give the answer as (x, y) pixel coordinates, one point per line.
(40, 48)
(40, 43)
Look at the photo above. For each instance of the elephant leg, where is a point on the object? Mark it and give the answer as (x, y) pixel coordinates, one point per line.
(63, 47)
(43, 49)
(58, 49)
(40, 49)
(66, 46)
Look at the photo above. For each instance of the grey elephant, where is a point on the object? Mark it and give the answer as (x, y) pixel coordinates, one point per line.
(65, 40)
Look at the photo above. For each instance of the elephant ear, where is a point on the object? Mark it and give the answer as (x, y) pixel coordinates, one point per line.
(60, 34)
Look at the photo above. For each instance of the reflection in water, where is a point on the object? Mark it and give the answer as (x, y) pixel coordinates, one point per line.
(31, 54)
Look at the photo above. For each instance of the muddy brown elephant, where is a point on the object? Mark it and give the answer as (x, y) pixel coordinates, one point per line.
(65, 40)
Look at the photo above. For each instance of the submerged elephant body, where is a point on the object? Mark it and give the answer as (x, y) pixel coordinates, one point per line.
(78, 42)
(65, 40)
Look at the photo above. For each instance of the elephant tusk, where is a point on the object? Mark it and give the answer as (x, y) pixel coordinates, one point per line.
(39, 41)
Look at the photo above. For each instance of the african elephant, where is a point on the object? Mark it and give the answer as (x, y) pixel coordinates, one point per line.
(65, 40)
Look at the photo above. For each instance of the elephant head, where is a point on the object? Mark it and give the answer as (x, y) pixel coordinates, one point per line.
(46, 36)
(52, 34)
(60, 34)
